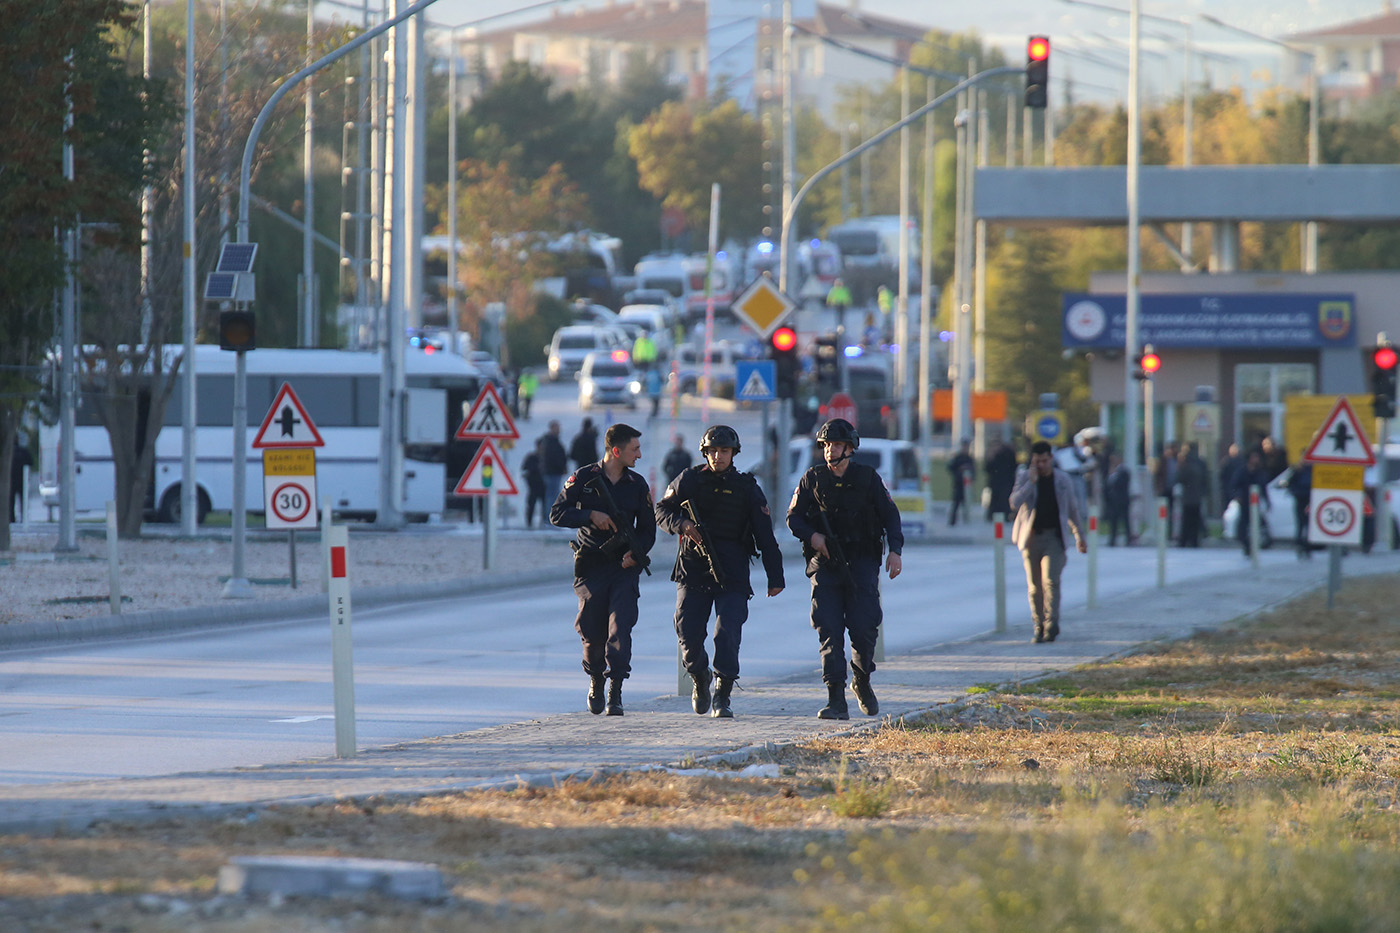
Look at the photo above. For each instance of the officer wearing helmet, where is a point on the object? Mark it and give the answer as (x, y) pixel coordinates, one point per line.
(844, 517)
(722, 520)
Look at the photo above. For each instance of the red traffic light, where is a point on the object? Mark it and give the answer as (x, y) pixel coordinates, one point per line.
(1384, 358)
(1037, 49)
(784, 339)
(1151, 362)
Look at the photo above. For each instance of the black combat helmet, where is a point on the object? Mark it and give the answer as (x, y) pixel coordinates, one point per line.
(840, 431)
(720, 435)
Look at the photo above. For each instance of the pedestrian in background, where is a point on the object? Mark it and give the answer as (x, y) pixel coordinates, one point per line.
(736, 522)
(1047, 514)
(1300, 486)
(1117, 496)
(677, 459)
(1250, 473)
(533, 469)
(20, 460)
(611, 506)
(529, 384)
(962, 469)
(1000, 470)
(1225, 473)
(841, 510)
(554, 461)
(654, 387)
(1164, 480)
(1193, 478)
(583, 449)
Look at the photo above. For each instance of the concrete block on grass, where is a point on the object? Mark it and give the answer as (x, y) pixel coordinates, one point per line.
(315, 876)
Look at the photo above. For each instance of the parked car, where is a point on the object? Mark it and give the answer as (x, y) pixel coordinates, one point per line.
(608, 379)
(571, 344)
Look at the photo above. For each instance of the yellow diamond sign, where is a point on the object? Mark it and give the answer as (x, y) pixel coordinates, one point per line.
(762, 306)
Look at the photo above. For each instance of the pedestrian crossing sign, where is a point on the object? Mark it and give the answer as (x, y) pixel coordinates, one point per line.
(756, 380)
(488, 417)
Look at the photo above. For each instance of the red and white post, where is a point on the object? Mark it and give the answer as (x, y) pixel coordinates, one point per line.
(1093, 571)
(1161, 542)
(342, 652)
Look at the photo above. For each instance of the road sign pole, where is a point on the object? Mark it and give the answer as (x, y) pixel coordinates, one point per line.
(1161, 542)
(1383, 506)
(114, 564)
(292, 554)
(1334, 573)
(489, 551)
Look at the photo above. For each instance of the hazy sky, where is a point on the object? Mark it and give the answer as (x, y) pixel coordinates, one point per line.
(1006, 23)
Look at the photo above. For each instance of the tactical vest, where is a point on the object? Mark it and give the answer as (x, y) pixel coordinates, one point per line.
(722, 504)
(854, 519)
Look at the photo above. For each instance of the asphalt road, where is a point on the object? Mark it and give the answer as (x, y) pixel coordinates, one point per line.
(261, 694)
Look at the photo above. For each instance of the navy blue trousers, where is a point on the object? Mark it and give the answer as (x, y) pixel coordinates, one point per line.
(839, 612)
(731, 609)
(607, 613)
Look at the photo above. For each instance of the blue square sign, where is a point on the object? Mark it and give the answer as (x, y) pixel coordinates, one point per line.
(755, 380)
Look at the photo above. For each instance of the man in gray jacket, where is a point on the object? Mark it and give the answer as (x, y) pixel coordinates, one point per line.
(1047, 514)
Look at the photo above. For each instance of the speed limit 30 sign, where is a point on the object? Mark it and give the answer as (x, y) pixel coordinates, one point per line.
(289, 487)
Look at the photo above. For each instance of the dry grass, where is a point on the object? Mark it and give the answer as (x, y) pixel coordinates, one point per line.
(1245, 779)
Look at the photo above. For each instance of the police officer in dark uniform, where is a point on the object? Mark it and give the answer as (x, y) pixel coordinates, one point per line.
(610, 504)
(843, 515)
(733, 519)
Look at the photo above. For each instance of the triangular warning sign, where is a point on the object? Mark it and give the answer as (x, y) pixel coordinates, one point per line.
(473, 482)
(287, 424)
(1341, 439)
(487, 418)
(756, 387)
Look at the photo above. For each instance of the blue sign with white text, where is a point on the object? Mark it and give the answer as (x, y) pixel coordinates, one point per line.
(1252, 322)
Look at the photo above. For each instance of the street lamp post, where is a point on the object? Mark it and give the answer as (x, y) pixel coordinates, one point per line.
(1314, 116)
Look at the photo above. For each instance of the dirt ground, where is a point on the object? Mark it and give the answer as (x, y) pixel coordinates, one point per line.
(1170, 765)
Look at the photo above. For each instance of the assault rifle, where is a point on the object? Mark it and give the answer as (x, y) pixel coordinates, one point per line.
(833, 547)
(707, 545)
(624, 539)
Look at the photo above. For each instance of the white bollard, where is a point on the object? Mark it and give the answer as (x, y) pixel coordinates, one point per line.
(342, 646)
(1254, 526)
(325, 545)
(999, 568)
(488, 552)
(114, 564)
(1161, 542)
(1093, 572)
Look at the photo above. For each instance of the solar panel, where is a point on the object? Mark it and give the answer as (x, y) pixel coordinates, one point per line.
(237, 257)
(219, 286)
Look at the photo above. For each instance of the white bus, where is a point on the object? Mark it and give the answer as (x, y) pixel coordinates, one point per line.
(340, 391)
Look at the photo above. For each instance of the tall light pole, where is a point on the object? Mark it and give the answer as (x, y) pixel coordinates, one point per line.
(1314, 115)
(189, 503)
(1131, 341)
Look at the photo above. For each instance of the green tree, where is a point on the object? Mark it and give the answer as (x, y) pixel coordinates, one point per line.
(57, 58)
(504, 222)
(684, 148)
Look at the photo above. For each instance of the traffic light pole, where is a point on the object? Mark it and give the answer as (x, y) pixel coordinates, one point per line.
(790, 209)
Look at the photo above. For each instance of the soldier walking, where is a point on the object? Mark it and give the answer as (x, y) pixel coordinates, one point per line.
(610, 504)
(844, 516)
(721, 518)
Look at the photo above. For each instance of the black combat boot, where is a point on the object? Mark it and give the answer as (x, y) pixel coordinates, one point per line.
(865, 696)
(723, 687)
(595, 694)
(615, 697)
(700, 692)
(835, 707)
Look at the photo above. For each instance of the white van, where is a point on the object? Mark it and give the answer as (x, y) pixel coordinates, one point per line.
(571, 344)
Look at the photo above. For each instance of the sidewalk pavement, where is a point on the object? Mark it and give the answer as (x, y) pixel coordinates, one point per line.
(663, 730)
